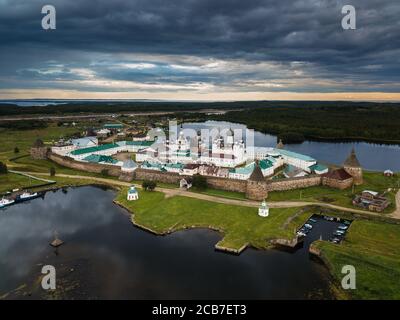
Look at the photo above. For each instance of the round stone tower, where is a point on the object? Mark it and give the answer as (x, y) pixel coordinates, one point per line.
(257, 188)
(352, 167)
(39, 150)
(280, 144)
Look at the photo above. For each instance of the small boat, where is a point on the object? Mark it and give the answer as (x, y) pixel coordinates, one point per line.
(338, 233)
(334, 240)
(308, 226)
(304, 230)
(6, 202)
(26, 196)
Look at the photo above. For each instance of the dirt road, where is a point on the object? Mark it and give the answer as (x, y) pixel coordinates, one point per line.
(245, 203)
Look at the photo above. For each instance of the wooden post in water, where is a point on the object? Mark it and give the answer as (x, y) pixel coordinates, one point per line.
(56, 242)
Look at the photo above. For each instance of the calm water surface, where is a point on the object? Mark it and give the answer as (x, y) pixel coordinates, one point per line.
(105, 256)
(372, 156)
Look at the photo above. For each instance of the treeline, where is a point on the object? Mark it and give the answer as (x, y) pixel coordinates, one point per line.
(111, 107)
(368, 122)
(7, 109)
(23, 124)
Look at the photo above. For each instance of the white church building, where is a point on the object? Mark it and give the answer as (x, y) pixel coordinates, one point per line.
(132, 194)
(263, 210)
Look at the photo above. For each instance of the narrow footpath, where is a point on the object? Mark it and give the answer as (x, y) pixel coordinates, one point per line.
(244, 203)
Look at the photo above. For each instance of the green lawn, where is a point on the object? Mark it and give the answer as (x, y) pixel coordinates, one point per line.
(372, 181)
(14, 181)
(23, 139)
(240, 225)
(373, 248)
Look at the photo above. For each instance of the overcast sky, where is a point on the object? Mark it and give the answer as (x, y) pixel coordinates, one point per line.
(200, 50)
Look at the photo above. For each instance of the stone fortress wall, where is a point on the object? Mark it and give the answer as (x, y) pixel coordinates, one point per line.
(84, 166)
(253, 190)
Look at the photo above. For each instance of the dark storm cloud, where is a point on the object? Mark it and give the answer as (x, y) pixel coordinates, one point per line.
(96, 34)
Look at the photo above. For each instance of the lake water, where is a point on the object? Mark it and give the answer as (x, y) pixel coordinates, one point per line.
(105, 256)
(372, 156)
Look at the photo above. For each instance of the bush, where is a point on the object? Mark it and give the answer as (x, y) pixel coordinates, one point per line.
(104, 172)
(52, 171)
(199, 182)
(291, 137)
(3, 168)
(16, 150)
(148, 185)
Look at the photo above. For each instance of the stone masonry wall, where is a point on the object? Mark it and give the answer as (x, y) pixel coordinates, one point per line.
(257, 190)
(333, 183)
(227, 184)
(294, 183)
(39, 153)
(84, 166)
(158, 176)
(253, 190)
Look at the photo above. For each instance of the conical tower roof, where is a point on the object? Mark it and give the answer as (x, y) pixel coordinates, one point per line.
(38, 143)
(129, 164)
(280, 144)
(352, 160)
(257, 174)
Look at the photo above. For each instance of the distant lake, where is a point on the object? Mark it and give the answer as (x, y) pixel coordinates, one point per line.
(47, 102)
(376, 157)
(105, 256)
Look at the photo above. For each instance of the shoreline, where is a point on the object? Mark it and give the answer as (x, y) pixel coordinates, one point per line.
(310, 138)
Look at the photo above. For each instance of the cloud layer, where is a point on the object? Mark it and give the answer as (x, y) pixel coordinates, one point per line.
(198, 48)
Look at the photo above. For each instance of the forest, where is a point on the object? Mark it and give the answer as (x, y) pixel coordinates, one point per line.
(293, 121)
(369, 122)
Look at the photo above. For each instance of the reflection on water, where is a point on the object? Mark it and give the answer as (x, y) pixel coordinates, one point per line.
(372, 156)
(105, 256)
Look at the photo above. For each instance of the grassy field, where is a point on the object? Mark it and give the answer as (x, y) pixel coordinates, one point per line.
(23, 139)
(14, 181)
(373, 248)
(239, 225)
(372, 181)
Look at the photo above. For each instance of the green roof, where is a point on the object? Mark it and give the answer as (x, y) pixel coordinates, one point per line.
(149, 165)
(96, 158)
(243, 170)
(295, 155)
(265, 164)
(140, 143)
(248, 169)
(174, 165)
(94, 149)
(113, 125)
(318, 167)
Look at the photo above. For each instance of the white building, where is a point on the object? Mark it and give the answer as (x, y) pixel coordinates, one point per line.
(103, 132)
(190, 169)
(263, 210)
(132, 194)
(297, 160)
(63, 148)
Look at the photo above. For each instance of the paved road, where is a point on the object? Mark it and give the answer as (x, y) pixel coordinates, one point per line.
(396, 213)
(244, 203)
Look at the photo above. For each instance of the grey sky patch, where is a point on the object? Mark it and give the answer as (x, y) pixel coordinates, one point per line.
(264, 45)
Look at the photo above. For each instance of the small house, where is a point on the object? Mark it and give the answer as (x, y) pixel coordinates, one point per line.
(132, 194)
(263, 210)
